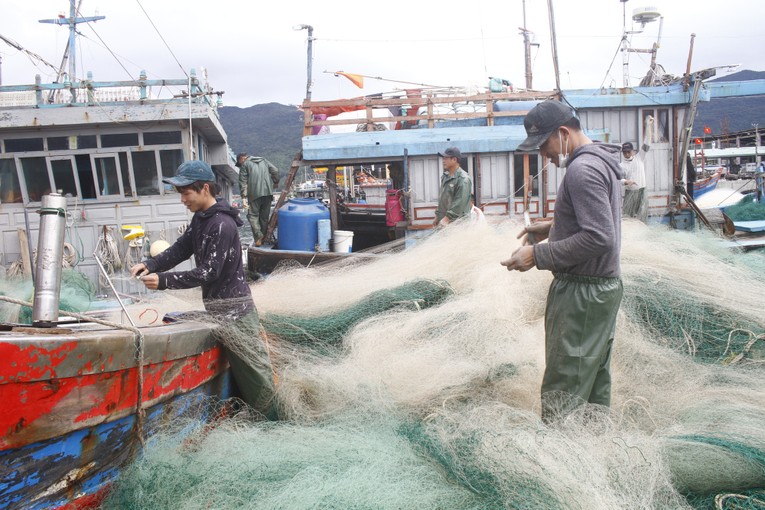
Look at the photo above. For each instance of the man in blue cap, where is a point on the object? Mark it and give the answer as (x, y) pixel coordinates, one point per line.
(212, 238)
(582, 252)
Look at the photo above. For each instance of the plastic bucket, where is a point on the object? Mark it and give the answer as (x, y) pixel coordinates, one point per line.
(343, 241)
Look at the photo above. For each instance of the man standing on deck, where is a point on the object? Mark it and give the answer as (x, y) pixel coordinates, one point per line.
(257, 179)
(456, 188)
(635, 198)
(213, 239)
(582, 251)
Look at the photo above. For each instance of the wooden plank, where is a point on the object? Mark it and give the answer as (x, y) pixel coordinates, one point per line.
(26, 259)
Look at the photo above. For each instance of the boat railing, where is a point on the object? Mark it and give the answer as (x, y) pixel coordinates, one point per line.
(423, 110)
(89, 93)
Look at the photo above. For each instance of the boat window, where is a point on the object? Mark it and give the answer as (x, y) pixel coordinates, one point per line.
(518, 174)
(661, 124)
(85, 174)
(58, 143)
(106, 171)
(145, 172)
(23, 145)
(170, 160)
(119, 140)
(162, 138)
(86, 142)
(127, 183)
(10, 190)
(36, 178)
(63, 177)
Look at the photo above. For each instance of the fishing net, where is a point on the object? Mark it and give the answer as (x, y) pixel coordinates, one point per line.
(77, 293)
(325, 332)
(748, 209)
(402, 406)
(684, 306)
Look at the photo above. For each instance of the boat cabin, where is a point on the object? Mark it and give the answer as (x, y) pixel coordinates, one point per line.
(106, 147)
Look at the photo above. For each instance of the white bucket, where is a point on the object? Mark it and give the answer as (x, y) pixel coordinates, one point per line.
(342, 241)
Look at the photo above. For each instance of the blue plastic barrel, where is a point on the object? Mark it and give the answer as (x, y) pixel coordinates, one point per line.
(298, 224)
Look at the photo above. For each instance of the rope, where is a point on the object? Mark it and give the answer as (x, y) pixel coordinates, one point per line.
(139, 345)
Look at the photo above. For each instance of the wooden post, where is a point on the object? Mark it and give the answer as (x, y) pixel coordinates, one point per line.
(294, 167)
(332, 185)
(26, 260)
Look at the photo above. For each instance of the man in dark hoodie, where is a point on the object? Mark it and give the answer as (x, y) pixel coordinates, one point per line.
(213, 239)
(584, 241)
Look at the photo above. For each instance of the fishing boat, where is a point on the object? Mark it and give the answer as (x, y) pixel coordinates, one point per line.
(81, 169)
(404, 131)
(707, 184)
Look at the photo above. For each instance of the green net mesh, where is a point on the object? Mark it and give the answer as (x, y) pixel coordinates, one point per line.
(748, 209)
(325, 333)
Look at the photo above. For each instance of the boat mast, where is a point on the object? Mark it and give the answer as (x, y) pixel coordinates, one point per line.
(72, 21)
(527, 48)
(554, 44)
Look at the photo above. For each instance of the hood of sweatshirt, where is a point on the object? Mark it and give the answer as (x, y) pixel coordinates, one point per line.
(608, 152)
(221, 206)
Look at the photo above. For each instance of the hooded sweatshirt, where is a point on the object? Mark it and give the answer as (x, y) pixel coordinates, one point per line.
(213, 239)
(585, 238)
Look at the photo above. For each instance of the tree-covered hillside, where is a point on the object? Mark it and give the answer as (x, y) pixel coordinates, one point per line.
(270, 130)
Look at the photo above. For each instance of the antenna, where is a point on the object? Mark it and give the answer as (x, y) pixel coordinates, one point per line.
(643, 16)
(72, 21)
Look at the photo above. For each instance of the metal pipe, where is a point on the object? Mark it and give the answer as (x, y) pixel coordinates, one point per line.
(50, 252)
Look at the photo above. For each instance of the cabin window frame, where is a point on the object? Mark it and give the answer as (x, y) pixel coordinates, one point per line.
(72, 168)
(118, 169)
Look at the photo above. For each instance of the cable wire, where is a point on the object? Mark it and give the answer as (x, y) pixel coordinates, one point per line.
(163, 39)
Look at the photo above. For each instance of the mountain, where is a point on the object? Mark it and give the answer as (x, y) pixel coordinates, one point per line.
(270, 130)
(731, 114)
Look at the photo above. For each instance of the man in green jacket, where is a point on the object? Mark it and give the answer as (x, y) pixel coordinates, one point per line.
(456, 188)
(257, 178)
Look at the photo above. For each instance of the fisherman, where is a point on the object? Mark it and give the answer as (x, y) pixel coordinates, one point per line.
(582, 251)
(760, 181)
(635, 198)
(213, 239)
(456, 187)
(257, 179)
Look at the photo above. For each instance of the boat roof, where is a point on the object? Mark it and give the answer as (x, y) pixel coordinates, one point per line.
(353, 147)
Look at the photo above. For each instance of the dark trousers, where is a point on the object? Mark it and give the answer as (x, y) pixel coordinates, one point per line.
(260, 210)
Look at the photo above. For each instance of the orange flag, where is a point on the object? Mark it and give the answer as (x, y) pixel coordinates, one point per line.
(357, 79)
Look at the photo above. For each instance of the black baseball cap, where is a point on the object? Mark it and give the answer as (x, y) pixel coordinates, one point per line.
(542, 121)
(190, 172)
(451, 152)
(627, 146)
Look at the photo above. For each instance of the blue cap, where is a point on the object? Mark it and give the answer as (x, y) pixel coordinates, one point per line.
(190, 172)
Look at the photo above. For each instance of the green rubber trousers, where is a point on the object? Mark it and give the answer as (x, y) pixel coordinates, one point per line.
(580, 320)
(250, 363)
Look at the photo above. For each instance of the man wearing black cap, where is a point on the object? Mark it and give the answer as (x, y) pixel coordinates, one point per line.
(456, 188)
(633, 164)
(582, 251)
(213, 239)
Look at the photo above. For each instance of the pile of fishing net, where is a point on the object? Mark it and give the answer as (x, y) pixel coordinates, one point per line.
(748, 209)
(77, 293)
(438, 406)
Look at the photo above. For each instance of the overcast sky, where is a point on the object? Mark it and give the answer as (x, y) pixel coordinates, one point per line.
(252, 52)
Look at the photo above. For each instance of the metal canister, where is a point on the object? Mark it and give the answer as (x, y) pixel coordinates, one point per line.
(50, 253)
